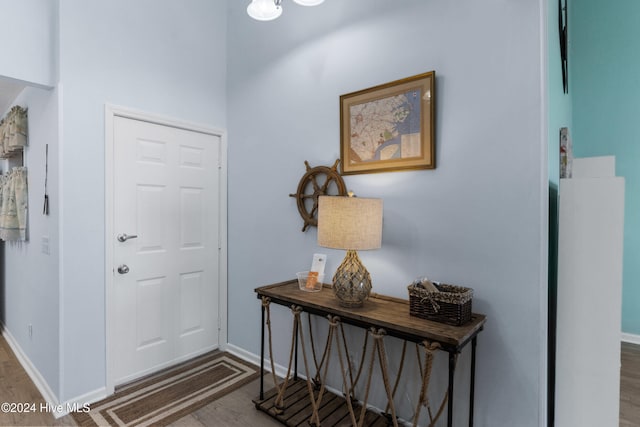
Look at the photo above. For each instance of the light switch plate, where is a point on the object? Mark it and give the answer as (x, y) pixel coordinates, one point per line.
(45, 245)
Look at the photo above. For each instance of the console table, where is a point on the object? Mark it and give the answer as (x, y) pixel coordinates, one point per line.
(382, 314)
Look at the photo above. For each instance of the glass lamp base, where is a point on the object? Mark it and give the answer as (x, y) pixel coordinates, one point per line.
(352, 281)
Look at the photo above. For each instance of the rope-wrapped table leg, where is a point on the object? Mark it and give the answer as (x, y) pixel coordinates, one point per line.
(425, 372)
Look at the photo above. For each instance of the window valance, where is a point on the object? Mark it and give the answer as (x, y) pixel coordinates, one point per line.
(13, 132)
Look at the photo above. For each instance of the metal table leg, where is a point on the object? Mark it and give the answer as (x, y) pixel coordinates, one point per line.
(262, 357)
(295, 362)
(473, 379)
(452, 368)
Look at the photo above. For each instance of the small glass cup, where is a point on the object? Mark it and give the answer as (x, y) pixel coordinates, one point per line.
(310, 281)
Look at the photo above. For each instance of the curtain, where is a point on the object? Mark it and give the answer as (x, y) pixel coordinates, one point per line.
(13, 132)
(13, 204)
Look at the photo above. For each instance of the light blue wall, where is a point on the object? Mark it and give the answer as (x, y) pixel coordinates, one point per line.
(605, 76)
(479, 219)
(163, 57)
(27, 28)
(29, 296)
(30, 278)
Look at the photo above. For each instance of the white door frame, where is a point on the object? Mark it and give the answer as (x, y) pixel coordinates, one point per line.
(112, 111)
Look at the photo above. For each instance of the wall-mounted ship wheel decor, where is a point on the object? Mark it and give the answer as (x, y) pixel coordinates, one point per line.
(317, 181)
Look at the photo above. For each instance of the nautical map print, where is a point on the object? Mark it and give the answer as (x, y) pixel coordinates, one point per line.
(387, 128)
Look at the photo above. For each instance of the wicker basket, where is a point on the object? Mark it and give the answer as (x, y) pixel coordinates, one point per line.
(452, 305)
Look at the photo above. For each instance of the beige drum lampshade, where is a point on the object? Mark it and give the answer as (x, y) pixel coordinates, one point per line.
(349, 222)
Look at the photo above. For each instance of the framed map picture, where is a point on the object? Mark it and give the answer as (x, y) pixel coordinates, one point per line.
(389, 127)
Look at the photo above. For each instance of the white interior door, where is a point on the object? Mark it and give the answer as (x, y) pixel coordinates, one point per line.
(165, 245)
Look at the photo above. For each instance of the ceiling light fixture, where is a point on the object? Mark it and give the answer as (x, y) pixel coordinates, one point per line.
(264, 10)
(268, 10)
(308, 2)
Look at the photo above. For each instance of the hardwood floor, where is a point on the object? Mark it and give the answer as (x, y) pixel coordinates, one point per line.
(236, 409)
(16, 387)
(630, 386)
(232, 410)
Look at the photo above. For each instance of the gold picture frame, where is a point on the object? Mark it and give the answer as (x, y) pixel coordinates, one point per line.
(389, 127)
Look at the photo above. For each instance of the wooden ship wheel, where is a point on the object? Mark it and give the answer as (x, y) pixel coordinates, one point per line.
(316, 182)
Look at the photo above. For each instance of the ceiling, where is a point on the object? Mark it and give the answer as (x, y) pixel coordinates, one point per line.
(9, 90)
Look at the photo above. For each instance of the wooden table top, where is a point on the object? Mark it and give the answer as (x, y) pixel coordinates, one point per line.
(380, 311)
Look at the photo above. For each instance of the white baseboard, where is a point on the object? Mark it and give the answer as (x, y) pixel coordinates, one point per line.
(254, 359)
(81, 403)
(631, 338)
(41, 384)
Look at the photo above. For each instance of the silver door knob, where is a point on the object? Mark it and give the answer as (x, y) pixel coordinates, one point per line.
(124, 237)
(123, 269)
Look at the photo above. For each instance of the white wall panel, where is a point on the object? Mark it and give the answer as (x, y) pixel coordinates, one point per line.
(591, 226)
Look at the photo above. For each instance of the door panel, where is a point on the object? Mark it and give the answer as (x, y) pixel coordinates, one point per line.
(167, 194)
(190, 296)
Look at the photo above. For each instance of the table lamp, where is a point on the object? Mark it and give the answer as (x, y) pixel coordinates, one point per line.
(350, 223)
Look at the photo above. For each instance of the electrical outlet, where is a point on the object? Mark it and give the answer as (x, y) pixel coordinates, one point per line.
(30, 331)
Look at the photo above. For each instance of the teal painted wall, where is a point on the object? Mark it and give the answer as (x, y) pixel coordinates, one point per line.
(605, 87)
